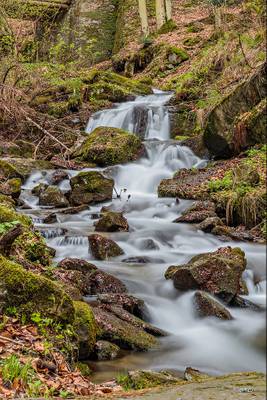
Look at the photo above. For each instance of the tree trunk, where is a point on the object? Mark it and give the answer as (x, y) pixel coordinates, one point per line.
(168, 9)
(143, 16)
(160, 13)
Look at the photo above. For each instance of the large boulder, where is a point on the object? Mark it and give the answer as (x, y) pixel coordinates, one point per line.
(82, 279)
(219, 273)
(85, 328)
(52, 196)
(90, 187)
(30, 293)
(228, 127)
(111, 221)
(109, 146)
(206, 306)
(122, 333)
(103, 248)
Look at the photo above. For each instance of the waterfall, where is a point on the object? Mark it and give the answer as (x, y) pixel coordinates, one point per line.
(208, 344)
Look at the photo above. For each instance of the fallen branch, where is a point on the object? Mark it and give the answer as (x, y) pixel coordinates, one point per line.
(8, 238)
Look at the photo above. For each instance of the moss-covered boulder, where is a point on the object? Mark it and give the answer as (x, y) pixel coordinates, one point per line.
(238, 121)
(143, 379)
(105, 350)
(111, 221)
(11, 187)
(206, 306)
(52, 196)
(103, 248)
(30, 293)
(109, 146)
(8, 171)
(122, 333)
(219, 273)
(19, 148)
(90, 187)
(85, 329)
(8, 214)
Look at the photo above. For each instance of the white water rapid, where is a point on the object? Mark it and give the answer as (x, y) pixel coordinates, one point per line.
(210, 345)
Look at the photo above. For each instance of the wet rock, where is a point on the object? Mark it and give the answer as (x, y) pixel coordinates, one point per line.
(140, 118)
(103, 248)
(102, 282)
(90, 187)
(111, 221)
(218, 272)
(122, 333)
(74, 282)
(207, 306)
(129, 303)
(209, 224)
(198, 212)
(50, 218)
(241, 302)
(74, 210)
(108, 146)
(235, 234)
(194, 375)
(147, 379)
(149, 244)
(124, 315)
(87, 278)
(53, 196)
(41, 187)
(57, 177)
(85, 329)
(142, 260)
(105, 350)
(76, 264)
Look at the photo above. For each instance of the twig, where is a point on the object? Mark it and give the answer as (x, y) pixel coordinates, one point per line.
(9, 340)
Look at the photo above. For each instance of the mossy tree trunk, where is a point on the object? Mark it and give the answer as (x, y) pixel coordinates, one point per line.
(168, 9)
(143, 16)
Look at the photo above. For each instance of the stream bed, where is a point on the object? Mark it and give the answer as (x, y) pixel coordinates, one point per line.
(211, 345)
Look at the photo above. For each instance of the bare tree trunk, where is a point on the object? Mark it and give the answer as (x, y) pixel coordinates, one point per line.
(160, 13)
(143, 16)
(168, 9)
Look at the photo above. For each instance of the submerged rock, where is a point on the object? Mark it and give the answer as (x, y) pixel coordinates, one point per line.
(108, 146)
(112, 221)
(53, 196)
(219, 273)
(206, 306)
(58, 176)
(105, 350)
(103, 248)
(90, 187)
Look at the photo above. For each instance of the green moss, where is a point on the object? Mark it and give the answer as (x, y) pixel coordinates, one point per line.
(8, 215)
(31, 246)
(85, 328)
(84, 369)
(109, 146)
(7, 170)
(27, 292)
(169, 26)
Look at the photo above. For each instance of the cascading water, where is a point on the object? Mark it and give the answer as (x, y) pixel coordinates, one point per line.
(208, 344)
